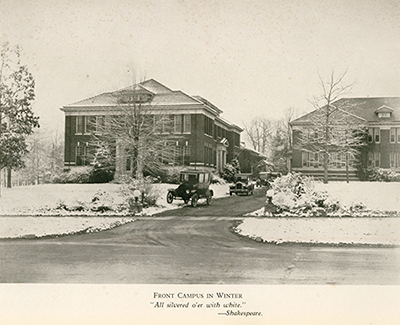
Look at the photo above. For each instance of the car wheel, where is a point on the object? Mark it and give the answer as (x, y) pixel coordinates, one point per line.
(195, 199)
(186, 201)
(208, 199)
(230, 193)
(170, 197)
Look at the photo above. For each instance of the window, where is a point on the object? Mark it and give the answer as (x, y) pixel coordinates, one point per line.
(201, 178)
(128, 161)
(187, 123)
(395, 159)
(384, 114)
(158, 124)
(392, 135)
(208, 154)
(370, 159)
(177, 123)
(81, 157)
(186, 155)
(80, 124)
(398, 134)
(375, 159)
(208, 125)
(376, 135)
(393, 156)
(166, 124)
(370, 135)
(100, 123)
(304, 159)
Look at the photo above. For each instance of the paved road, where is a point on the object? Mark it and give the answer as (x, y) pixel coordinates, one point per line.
(191, 248)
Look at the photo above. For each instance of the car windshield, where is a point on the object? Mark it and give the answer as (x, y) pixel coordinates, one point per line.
(188, 177)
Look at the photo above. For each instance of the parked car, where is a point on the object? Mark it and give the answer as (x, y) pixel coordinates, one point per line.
(194, 185)
(243, 184)
(265, 178)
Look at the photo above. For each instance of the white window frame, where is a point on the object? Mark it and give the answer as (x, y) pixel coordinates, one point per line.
(187, 123)
(83, 119)
(177, 123)
(377, 132)
(377, 157)
(392, 135)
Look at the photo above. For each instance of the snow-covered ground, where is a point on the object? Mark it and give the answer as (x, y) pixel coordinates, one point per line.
(374, 195)
(29, 211)
(375, 231)
(19, 204)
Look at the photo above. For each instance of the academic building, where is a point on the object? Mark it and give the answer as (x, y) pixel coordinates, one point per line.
(201, 137)
(382, 117)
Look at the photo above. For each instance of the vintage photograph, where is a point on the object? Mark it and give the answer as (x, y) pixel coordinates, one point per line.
(204, 152)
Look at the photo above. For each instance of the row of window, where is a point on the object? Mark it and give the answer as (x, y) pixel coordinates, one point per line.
(338, 160)
(335, 160)
(164, 124)
(177, 124)
(374, 135)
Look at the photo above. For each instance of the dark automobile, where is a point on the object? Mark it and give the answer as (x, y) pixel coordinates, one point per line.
(194, 185)
(265, 178)
(243, 184)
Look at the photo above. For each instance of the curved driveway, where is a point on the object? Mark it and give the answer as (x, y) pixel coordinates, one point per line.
(191, 246)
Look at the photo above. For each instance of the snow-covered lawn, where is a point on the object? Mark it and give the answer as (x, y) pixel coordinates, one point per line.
(374, 195)
(31, 227)
(376, 231)
(29, 211)
(18, 206)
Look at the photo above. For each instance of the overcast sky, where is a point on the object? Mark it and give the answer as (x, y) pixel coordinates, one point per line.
(251, 58)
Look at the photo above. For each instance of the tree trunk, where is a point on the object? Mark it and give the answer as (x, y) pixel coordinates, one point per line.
(139, 160)
(8, 177)
(347, 167)
(326, 148)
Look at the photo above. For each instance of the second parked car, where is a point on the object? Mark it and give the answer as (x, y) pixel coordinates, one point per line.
(243, 184)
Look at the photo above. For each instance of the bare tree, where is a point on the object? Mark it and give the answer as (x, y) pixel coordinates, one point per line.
(259, 133)
(138, 135)
(331, 129)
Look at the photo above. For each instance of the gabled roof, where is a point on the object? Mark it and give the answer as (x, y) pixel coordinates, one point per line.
(159, 94)
(384, 109)
(365, 108)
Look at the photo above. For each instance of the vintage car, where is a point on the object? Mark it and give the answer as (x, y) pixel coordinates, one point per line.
(243, 184)
(265, 178)
(194, 185)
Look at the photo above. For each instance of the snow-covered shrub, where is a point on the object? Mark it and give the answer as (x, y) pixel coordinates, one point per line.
(383, 175)
(296, 194)
(77, 175)
(101, 202)
(286, 201)
(149, 192)
(101, 174)
(169, 174)
(230, 170)
(215, 179)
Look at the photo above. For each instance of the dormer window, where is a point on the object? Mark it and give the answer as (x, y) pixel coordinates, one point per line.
(384, 112)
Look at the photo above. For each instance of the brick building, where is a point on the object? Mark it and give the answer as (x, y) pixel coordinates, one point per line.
(381, 115)
(201, 136)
